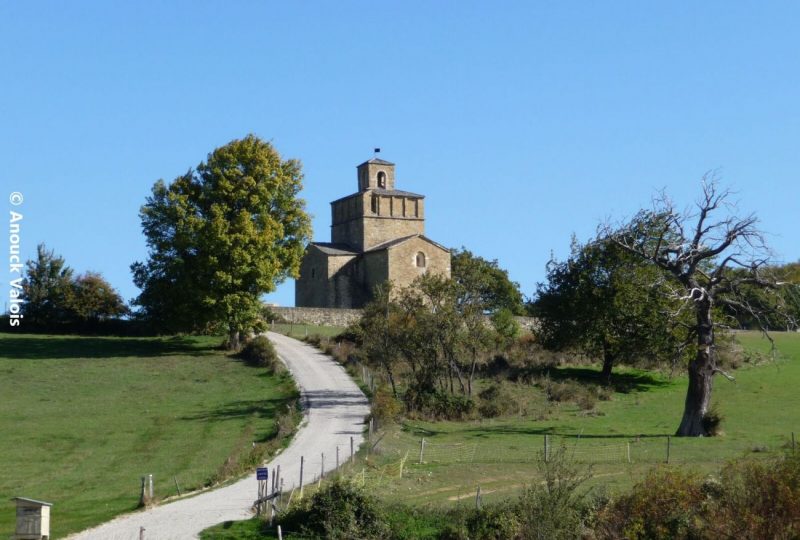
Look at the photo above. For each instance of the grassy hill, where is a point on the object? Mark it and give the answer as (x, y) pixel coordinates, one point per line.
(82, 419)
(761, 409)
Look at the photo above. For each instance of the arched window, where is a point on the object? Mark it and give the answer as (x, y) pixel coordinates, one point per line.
(382, 179)
(420, 260)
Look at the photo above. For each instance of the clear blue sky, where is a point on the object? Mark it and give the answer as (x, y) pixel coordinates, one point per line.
(522, 122)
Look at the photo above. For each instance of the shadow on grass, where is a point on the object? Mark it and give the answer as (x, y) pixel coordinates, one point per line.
(480, 432)
(624, 382)
(42, 347)
(257, 408)
(621, 382)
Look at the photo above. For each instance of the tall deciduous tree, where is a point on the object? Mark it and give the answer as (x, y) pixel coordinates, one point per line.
(47, 289)
(483, 282)
(221, 236)
(94, 299)
(698, 249)
(610, 305)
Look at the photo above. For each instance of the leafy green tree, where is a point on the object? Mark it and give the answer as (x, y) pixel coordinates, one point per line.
(381, 324)
(94, 299)
(47, 289)
(221, 236)
(483, 282)
(773, 310)
(697, 249)
(55, 297)
(610, 305)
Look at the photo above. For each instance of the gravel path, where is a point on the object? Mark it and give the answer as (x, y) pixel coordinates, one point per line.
(335, 409)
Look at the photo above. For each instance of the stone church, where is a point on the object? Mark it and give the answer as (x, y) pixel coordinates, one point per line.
(377, 235)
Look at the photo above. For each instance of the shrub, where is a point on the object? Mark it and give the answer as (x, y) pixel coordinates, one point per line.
(554, 508)
(758, 500)
(259, 352)
(665, 505)
(712, 421)
(438, 405)
(340, 510)
(494, 522)
(385, 408)
(497, 400)
(584, 396)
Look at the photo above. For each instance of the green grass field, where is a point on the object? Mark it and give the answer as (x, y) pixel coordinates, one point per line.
(760, 411)
(82, 419)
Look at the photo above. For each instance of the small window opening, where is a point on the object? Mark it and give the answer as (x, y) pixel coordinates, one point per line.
(374, 205)
(420, 260)
(381, 179)
(313, 273)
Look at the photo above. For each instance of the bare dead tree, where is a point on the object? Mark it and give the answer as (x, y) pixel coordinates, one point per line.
(712, 256)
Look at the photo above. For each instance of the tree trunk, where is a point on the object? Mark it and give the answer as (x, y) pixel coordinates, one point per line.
(608, 365)
(233, 340)
(391, 380)
(701, 376)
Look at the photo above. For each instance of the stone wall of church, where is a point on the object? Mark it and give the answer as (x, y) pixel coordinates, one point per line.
(403, 267)
(311, 288)
(382, 229)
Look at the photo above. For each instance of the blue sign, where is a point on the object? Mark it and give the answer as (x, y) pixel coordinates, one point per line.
(262, 473)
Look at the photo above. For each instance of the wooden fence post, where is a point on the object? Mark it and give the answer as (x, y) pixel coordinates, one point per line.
(302, 461)
(669, 443)
(421, 449)
(478, 499)
(546, 448)
(352, 451)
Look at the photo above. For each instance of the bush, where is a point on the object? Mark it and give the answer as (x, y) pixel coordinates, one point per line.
(758, 500)
(340, 510)
(562, 391)
(554, 509)
(259, 352)
(385, 408)
(712, 421)
(665, 505)
(438, 405)
(497, 400)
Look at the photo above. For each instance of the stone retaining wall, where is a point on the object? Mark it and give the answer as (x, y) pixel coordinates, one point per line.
(318, 316)
(345, 317)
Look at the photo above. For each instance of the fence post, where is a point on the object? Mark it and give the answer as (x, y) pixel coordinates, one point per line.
(669, 441)
(478, 499)
(150, 483)
(629, 452)
(352, 452)
(421, 449)
(322, 466)
(546, 448)
(302, 462)
(793, 443)
(337, 458)
(143, 497)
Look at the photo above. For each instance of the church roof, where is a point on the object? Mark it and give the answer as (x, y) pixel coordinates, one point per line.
(387, 192)
(334, 249)
(377, 161)
(397, 193)
(396, 241)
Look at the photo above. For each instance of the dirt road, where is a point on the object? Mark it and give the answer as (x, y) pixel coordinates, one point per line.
(335, 411)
